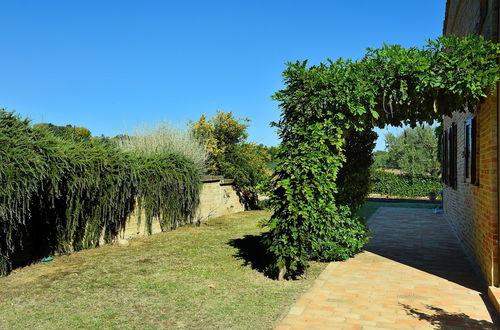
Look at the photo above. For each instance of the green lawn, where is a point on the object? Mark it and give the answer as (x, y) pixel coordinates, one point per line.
(370, 207)
(194, 277)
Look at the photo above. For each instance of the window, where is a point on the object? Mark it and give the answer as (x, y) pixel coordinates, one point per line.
(470, 168)
(449, 156)
(444, 157)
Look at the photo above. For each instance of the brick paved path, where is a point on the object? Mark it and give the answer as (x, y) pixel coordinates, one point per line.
(413, 275)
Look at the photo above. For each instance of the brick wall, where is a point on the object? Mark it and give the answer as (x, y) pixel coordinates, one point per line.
(472, 209)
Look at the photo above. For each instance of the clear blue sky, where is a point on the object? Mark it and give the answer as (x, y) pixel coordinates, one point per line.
(110, 65)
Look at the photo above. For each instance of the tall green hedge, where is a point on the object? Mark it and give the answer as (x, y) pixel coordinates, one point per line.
(401, 185)
(67, 193)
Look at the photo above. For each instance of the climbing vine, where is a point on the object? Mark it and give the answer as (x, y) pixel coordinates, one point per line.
(328, 112)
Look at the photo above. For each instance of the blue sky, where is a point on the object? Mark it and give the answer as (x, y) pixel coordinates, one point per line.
(111, 65)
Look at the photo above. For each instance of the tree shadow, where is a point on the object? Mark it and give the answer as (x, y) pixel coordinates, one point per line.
(422, 240)
(441, 319)
(252, 251)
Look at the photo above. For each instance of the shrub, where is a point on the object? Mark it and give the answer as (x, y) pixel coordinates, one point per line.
(165, 138)
(68, 193)
(232, 156)
(219, 134)
(404, 185)
(353, 179)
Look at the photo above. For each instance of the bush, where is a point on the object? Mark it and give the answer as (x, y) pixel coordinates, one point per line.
(68, 193)
(231, 156)
(403, 185)
(353, 179)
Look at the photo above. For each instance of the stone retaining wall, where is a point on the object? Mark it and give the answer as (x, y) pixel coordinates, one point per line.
(218, 197)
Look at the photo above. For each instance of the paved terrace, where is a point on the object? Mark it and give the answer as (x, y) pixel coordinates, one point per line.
(413, 275)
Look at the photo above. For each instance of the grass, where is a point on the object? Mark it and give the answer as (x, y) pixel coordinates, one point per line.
(370, 206)
(166, 138)
(194, 277)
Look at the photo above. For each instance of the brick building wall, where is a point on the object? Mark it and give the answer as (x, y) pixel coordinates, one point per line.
(472, 209)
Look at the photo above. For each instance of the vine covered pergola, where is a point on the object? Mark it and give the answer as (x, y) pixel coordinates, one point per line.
(326, 129)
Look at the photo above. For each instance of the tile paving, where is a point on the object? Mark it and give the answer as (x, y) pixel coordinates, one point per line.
(412, 275)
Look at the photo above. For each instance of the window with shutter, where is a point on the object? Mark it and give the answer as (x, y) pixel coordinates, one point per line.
(444, 162)
(449, 148)
(453, 161)
(470, 157)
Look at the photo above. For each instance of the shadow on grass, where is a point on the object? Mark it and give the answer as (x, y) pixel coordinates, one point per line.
(442, 319)
(253, 252)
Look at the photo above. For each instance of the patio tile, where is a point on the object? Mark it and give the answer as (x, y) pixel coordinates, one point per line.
(412, 275)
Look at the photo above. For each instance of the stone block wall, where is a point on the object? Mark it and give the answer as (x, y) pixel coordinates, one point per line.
(472, 210)
(218, 197)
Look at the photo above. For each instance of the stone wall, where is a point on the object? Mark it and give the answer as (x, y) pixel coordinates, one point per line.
(472, 210)
(217, 198)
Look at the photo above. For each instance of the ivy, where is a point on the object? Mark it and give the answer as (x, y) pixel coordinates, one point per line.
(328, 112)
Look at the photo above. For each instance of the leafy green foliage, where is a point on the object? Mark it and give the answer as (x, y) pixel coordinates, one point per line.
(414, 151)
(353, 180)
(67, 194)
(404, 185)
(321, 105)
(380, 159)
(232, 156)
(219, 134)
(67, 131)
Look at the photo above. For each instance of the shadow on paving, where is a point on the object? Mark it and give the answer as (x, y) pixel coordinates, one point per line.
(253, 252)
(423, 240)
(445, 320)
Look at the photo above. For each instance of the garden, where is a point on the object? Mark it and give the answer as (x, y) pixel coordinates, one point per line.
(65, 190)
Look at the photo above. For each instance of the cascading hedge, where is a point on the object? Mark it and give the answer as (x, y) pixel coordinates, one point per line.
(404, 185)
(171, 198)
(323, 104)
(65, 194)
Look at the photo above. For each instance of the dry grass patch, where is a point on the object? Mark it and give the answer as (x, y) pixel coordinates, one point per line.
(192, 277)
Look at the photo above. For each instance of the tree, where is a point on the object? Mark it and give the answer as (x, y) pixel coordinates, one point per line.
(67, 131)
(219, 134)
(414, 151)
(231, 155)
(380, 159)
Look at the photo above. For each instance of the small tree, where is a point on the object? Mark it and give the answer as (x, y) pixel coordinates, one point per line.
(231, 155)
(219, 134)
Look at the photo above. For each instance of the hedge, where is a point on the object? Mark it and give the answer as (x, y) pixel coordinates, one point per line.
(65, 194)
(401, 185)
